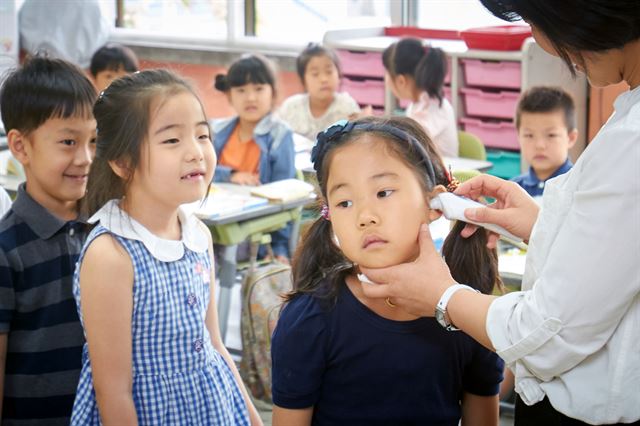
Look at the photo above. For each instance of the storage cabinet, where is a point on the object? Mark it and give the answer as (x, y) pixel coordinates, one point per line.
(482, 85)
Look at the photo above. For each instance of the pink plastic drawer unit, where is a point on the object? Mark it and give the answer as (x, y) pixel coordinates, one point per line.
(480, 103)
(506, 75)
(493, 134)
(365, 64)
(365, 92)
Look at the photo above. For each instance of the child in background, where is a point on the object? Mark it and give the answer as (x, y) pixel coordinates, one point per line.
(47, 111)
(546, 124)
(342, 358)
(254, 147)
(322, 105)
(112, 61)
(416, 72)
(144, 281)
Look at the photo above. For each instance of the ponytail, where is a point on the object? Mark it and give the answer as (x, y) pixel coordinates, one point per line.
(431, 72)
(319, 267)
(221, 83)
(471, 261)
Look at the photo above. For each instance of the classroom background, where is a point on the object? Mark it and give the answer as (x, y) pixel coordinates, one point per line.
(200, 38)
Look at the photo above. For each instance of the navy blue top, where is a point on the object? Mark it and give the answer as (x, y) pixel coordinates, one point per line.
(38, 254)
(533, 185)
(357, 368)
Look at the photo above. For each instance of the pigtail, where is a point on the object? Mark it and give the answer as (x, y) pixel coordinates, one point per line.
(221, 84)
(471, 261)
(318, 267)
(431, 71)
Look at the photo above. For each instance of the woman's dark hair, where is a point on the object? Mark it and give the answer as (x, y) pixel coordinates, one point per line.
(113, 57)
(426, 65)
(575, 27)
(319, 267)
(122, 115)
(44, 88)
(250, 68)
(311, 51)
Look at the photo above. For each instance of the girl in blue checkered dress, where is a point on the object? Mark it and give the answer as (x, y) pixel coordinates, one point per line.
(144, 283)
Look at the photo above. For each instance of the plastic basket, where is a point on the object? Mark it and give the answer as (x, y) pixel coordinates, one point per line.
(505, 37)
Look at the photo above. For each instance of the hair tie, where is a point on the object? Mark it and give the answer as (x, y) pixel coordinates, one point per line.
(453, 182)
(324, 212)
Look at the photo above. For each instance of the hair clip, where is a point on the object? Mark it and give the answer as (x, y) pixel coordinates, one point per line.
(453, 182)
(324, 212)
(324, 139)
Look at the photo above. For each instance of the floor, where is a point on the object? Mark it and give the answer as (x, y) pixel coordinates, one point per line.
(234, 343)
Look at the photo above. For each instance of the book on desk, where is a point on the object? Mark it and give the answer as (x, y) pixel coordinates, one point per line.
(283, 190)
(223, 201)
(227, 199)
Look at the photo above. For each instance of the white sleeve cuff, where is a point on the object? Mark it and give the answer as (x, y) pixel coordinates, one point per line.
(503, 327)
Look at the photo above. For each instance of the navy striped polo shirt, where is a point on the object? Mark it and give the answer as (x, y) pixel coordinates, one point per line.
(38, 253)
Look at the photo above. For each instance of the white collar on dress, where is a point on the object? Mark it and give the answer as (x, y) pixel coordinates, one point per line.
(120, 223)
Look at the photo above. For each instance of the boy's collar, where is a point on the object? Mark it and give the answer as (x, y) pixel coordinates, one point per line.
(532, 179)
(42, 221)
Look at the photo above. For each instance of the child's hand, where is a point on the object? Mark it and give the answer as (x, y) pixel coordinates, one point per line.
(245, 178)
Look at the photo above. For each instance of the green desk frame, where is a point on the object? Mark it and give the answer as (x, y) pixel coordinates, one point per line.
(252, 225)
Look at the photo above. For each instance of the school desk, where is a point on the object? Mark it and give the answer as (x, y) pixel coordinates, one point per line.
(230, 230)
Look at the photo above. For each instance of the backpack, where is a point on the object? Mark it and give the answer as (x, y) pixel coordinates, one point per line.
(262, 292)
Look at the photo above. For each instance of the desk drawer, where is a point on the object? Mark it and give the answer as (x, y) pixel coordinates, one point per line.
(493, 134)
(365, 64)
(365, 91)
(500, 104)
(506, 75)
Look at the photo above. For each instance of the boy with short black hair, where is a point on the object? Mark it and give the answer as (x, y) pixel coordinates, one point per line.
(47, 110)
(546, 124)
(112, 61)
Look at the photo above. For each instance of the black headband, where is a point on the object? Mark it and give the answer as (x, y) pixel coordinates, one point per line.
(334, 133)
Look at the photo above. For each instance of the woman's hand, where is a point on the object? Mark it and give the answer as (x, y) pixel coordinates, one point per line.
(415, 287)
(245, 178)
(514, 209)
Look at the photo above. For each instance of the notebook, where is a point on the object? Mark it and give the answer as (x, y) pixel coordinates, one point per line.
(283, 190)
(224, 201)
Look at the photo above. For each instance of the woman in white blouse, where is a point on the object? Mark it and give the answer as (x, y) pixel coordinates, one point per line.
(572, 336)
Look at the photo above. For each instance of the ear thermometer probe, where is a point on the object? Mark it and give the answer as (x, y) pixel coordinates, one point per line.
(453, 207)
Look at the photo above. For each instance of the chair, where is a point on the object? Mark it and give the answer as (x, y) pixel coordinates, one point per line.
(470, 146)
(465, 174)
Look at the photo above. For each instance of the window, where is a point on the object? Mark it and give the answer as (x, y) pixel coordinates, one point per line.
(197, 18)
(456, 15)
(301, 21)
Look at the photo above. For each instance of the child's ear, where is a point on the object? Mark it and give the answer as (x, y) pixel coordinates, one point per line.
(400, 81)
(573, 137)
(435, 214)
(19, 146)
(121, 168)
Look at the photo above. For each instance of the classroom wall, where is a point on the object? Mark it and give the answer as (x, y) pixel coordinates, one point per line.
(215, 102)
